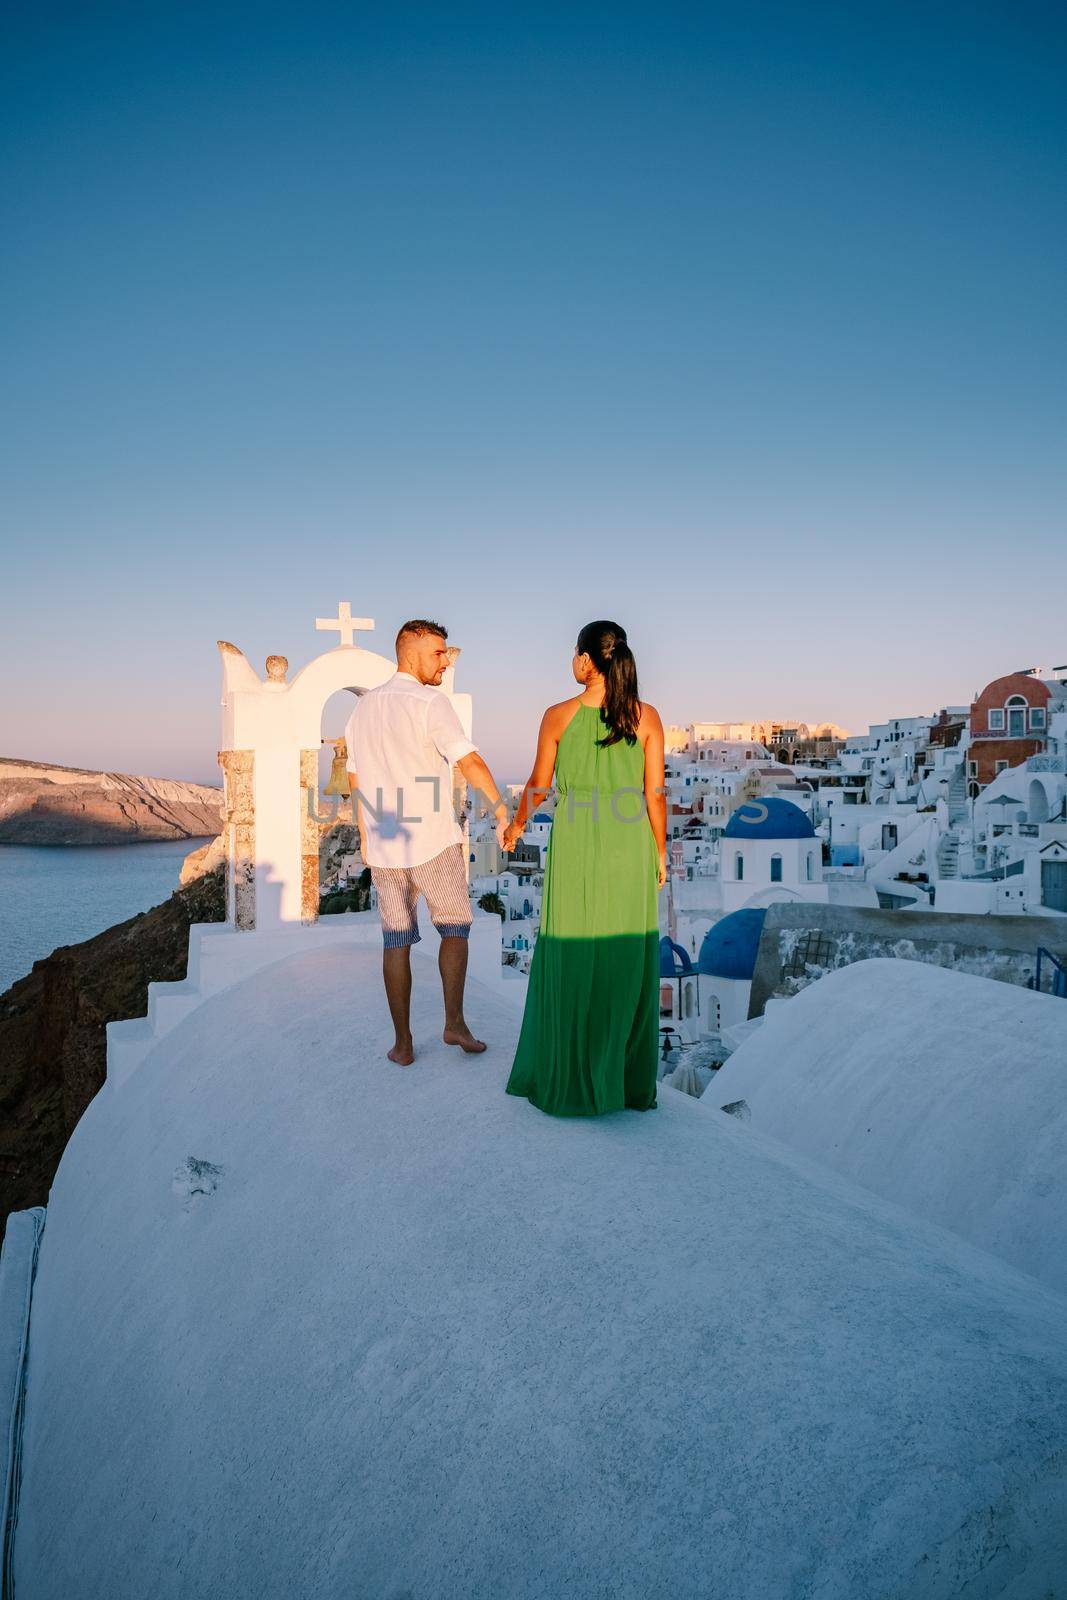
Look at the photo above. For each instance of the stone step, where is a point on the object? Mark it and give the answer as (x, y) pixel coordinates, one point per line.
(168, 1003)
(128, 1043)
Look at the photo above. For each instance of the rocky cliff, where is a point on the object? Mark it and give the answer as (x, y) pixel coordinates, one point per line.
(43, 804)
(53, 1048)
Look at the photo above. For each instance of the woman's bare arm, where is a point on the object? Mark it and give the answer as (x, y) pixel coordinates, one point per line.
(651, 729)
(539, 783)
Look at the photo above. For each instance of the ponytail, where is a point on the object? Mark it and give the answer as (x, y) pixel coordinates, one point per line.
(606, 646)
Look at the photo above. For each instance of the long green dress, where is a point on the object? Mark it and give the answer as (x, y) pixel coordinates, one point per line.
(589, 1031)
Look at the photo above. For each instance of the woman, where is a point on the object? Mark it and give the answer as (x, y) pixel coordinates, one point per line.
(589, 1031)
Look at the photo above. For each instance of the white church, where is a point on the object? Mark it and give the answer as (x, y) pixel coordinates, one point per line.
(296, 1322)
(769, 853)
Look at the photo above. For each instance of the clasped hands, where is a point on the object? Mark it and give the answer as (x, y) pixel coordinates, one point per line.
(507, 834)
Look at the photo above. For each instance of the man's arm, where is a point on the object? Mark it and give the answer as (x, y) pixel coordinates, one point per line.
(446, 731)
(477, 774)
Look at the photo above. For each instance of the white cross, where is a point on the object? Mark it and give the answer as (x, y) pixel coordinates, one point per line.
(345, 623)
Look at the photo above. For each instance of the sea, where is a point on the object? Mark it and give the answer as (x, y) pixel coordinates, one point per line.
(53, 895)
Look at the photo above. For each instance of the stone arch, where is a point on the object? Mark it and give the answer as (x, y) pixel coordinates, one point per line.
(1037, 807)
(714, 1014)
(773, 894)
(269, 753)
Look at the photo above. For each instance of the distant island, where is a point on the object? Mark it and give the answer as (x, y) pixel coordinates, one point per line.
(45, 804)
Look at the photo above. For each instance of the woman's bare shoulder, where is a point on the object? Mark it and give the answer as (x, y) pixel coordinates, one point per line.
(558, 715)
(649, 721)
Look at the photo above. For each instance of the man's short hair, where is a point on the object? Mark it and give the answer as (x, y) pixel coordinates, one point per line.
(419, 626)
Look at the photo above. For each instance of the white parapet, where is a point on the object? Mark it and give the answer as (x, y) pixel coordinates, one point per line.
(939, 1090)
(18, 1267)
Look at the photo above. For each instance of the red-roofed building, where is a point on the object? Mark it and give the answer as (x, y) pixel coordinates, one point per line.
(1009, 722)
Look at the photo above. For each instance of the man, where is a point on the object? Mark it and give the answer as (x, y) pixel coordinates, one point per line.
(403, 740)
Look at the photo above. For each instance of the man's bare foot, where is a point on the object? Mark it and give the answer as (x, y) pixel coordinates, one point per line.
(402, 1054)
(465, 1038)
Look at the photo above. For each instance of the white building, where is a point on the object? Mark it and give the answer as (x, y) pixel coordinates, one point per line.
(769, 851)
(732, 753)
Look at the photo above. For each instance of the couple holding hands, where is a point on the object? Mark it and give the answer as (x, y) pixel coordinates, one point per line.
(588, 1039)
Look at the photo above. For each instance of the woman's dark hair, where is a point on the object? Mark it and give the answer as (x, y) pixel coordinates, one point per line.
(605, 645)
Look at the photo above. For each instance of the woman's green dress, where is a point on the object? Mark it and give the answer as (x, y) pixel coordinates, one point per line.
(589, 1031)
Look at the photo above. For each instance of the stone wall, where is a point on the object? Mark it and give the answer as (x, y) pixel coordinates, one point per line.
(239, 820)
(800, 943)
(309, 836)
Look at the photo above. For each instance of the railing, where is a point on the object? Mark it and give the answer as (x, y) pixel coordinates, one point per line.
(1046, 764)
(1057, 973)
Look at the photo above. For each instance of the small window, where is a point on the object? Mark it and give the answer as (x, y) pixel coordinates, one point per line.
(999, 766)
(1037, 716)
(739, 866)
(996, 719)
(776, 869)
(972, 769)
(810, 869)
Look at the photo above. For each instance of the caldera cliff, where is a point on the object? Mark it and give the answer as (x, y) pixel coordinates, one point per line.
(45, 804)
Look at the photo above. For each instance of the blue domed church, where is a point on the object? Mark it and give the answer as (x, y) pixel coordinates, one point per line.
(679, 993)
(769, 851)
(725, 966)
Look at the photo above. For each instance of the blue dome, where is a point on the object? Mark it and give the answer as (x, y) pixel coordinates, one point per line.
(769, 818)
(674, 962)
(730, 945)
(541, 816)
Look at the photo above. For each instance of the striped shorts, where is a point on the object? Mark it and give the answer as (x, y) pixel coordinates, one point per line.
(443, 883)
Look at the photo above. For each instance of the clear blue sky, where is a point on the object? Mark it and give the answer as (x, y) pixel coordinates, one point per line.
(741, 324)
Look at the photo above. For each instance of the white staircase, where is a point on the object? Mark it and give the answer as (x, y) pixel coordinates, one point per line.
(948, 855)
(957, 795)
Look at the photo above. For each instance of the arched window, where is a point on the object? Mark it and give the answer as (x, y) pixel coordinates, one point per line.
(739, 866)
(776, 869)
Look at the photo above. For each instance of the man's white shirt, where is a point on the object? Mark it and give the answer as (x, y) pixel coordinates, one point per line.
(403, 739)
